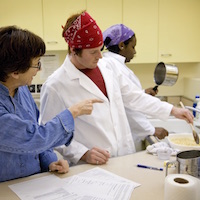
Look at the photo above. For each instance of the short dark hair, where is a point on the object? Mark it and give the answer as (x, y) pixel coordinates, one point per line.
(17, 49)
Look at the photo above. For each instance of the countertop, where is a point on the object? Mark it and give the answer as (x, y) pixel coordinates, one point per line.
(152, 181)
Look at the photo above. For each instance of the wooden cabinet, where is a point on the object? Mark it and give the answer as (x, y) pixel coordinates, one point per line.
(105, 12)
(179, 30)
(22, 13)
(142, 17)
(55, 14)
(166, 30)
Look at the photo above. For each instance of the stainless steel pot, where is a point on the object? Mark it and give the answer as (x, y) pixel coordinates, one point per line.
(187, 162)
(165, 74)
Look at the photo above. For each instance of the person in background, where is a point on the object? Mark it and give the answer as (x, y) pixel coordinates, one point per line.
(120, 41)
(83, 74)
(25, 146)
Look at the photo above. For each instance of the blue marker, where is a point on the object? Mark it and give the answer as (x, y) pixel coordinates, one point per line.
(149, 167)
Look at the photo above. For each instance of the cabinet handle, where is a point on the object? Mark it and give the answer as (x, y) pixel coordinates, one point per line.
(166, 55)
(52, 42)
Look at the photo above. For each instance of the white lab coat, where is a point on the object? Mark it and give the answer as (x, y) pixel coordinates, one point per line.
(107, 127)
(120, 64)
(139, 124)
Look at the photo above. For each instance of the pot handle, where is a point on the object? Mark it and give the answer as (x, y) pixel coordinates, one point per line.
(167, 166)
(155, 88)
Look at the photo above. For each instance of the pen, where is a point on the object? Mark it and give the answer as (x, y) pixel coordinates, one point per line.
(149, 167)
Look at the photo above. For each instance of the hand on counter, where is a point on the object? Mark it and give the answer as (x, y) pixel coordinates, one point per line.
(96, 156)
(61, 166)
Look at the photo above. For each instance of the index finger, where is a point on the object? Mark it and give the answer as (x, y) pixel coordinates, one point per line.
(96, 101)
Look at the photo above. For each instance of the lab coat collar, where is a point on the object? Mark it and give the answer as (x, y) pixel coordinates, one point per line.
(107, 74)
(86, 82)
(118, 57)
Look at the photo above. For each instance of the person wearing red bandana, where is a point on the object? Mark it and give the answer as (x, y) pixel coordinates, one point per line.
(106, 133)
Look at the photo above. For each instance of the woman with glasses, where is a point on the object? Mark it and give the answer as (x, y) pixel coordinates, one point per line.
(26, 146)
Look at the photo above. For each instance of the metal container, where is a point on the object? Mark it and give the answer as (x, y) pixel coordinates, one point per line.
(187, 162)
(165, 74)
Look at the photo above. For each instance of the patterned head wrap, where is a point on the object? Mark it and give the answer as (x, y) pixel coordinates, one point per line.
(84, 33)
(117, 33)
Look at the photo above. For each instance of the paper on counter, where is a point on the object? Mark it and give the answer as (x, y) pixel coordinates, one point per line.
(93, 184)
(101, 174)
(43, 188)
(101, 184)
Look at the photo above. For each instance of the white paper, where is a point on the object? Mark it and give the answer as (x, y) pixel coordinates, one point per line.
(102, 174)
(84, 186)
(50, 62)
(43, 188)
(94, 184)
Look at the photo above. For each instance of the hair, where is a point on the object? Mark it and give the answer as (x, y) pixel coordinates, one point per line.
(115, 48)
(17, 49)
(69, 22)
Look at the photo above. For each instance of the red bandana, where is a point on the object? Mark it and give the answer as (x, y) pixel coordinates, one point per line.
(84, 33)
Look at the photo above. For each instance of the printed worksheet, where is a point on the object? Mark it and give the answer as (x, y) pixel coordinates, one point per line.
(94, 184)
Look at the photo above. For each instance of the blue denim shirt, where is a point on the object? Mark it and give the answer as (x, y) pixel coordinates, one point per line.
(26, 147)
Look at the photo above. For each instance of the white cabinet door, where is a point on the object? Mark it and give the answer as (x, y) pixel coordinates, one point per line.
(22, 13)
(142, 17)
(179, 30)
(55, 14)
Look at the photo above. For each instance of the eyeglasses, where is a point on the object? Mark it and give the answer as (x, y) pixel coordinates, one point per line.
(38, 67)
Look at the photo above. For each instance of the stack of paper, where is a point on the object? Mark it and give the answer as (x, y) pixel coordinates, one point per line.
(94, 184)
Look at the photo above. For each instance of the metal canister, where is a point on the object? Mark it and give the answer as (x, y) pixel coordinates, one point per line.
(187, 162)
(165, 74)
